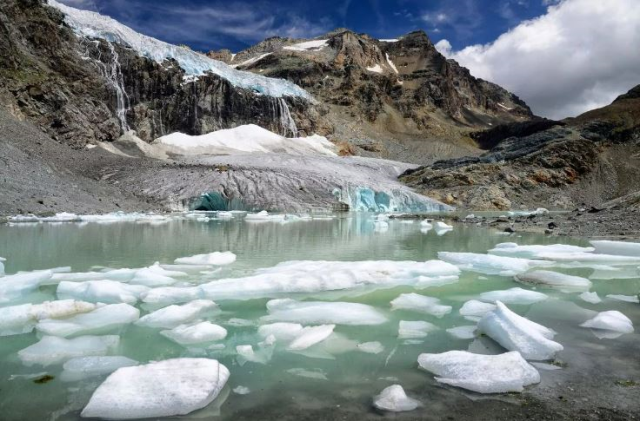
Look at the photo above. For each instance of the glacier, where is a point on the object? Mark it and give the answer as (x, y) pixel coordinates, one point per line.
(94, 25)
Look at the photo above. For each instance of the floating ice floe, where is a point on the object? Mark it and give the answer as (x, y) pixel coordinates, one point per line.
(619, 272)
(171, 295)
(590, 297)
(13, 287)
(514, 296)
(490, 264)
(436, 281)
(159, 389)
(462, 332)
(320, 312)
(621, 248)
(516, 333)
(175, 315)
(310, 336)
(554, 280)
(421, 304)
(320, 276)
(284, 332)
(108, 292)
(590, 258)
(121, 275)
(100, 320)
(53, 350)
(81, 368)
(626, 298)
(241, 390)
(263, 216)
(415, 329)
(535, 251)
(156, 276)
(394, 399)
(503, 373)
(441, 228)
(215, 259)
(16, 320)
(371, 347)
(247, 353)
(610, 320)
(473, 309)
(197, 333)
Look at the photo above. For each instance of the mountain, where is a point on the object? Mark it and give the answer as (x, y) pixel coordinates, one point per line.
(396, 98)
(593, 158)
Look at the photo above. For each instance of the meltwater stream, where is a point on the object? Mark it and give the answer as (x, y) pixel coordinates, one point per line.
(338, 378)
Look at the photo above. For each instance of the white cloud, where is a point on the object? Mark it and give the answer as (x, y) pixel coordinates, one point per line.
(578, 56)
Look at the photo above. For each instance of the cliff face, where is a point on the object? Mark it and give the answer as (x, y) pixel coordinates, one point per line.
(82, 90)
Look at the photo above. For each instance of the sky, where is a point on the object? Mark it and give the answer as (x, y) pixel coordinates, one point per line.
(562, 57)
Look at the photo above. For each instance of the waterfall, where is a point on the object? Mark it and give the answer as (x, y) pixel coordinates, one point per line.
(282, 114)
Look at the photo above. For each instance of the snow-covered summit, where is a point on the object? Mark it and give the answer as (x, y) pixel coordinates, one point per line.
(95, 25)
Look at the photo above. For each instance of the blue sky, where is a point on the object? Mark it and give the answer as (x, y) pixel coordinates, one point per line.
(236, 24)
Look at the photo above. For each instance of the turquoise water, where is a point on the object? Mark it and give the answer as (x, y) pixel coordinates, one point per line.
(352, 376)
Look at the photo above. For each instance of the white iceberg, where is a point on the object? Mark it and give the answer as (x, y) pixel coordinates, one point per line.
(490, 264)
(53, 350)
(621, 248)
(516, 333)
(247, 353)
(171, 295)
(210, 259)
(554, 280)
(285, 332)
(474, 309)
(310, 336)
(503, 373)
(371, 347)
(158, 389)
(16, 320)
(514, 296)
(13, 287)
(105, 291)
(320, 312)
(421, 304)
(394, 399)
(122, 275)
(197, 333)
(80, 368)
(415, 329)
(610, 320)
(590, 297)
(534, 251)
(100, 320)
(174, 315)
(463, 332)
(156, 276)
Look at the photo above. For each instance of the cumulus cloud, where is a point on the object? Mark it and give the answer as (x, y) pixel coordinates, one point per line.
(578, 56)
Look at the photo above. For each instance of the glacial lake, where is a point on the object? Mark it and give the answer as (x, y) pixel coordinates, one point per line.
(340, 379)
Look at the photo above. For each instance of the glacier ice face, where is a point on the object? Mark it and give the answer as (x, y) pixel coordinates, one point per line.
(610, 320)
(415, 329)
(197, 333)
(491, 264)
(320, 312)
(93, 25)
(621, 248)
(158, 389)
(81, 368)
(421, 304)
(100, 320)
(503, 373)
(174, 315)
(514, 296)
(53, 350)
(366, 199)
(105, 291)
(516, 333)
(555, 280)
(394, 399)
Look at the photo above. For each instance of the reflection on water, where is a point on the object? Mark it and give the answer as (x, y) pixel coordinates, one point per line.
(345, 376)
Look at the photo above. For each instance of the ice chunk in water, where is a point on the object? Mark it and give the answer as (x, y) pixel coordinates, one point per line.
(16, 286)
(158, 389)
(514, 296)
(310, 336)
(621, 248)
(554, 280)
(474, 309)
(490, 264)
(53, 350)
(197, 333)
(371, 347)
(421, 304)
(285, 332)
(517, 333)
(171, 295)
(84, 367)
(610, 320)
(591, 258)
(215, 259)
(626, 298)
(241, 390)
(462, 332)
(534, 252)
(122, 275)
(105, 291)
(590, 297)
(436, 281)
(320, 312)
(394, 399)
(156, 276)
(503, 373)
(415, 329)
(20, 319)
(100, 320)
(174, 315)
(246, 353)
